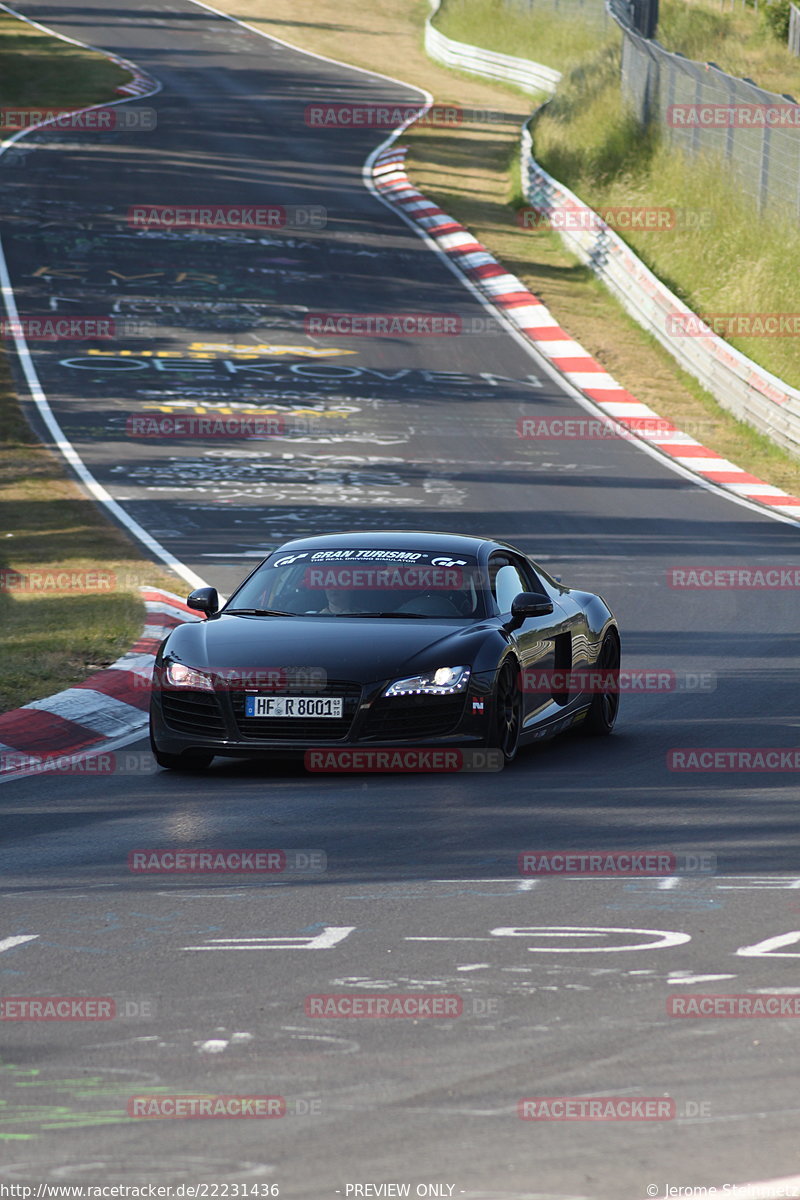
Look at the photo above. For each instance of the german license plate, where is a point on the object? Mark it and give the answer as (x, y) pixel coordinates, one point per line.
(293, 706)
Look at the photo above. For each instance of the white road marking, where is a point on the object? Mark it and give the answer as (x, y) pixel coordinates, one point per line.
(330, 936)
(788, 883)
(213, 1046)
(9, 942)
(688, 977)
(474, 967)
(665, 938)
(771, 946)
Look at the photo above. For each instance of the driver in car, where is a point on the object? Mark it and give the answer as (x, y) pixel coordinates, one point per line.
(339, 600)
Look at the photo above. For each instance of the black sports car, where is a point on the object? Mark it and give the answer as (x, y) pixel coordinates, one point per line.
(376, 639)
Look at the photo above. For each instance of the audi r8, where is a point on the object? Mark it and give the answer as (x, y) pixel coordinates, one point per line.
(376, 639)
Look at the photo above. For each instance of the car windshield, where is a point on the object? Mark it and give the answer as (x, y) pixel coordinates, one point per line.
(366, 583)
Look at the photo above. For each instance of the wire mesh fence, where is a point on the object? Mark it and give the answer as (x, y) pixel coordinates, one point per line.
(703, 110)
(589, 12)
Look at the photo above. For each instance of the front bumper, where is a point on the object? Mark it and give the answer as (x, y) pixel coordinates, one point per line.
(182, 719)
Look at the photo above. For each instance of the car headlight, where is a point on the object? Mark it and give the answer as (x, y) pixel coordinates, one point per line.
(179, 675)
(445, 681)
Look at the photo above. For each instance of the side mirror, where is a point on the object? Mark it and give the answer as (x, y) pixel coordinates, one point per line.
(205, 600)
(530, 604)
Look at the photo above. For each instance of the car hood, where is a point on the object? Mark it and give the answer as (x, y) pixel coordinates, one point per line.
(344, 647)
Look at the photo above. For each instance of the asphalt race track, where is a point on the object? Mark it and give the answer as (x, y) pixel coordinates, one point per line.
(564, 983)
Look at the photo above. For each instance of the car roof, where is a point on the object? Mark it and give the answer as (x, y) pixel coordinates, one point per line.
(399, 539)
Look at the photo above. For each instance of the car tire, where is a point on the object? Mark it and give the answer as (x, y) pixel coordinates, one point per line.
(602, 714)
(506, 715)
(189, 760)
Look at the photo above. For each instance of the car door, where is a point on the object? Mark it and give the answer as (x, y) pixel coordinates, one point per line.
(536, 638)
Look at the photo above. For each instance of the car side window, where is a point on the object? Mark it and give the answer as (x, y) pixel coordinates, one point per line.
(505, 581)
(532, 581)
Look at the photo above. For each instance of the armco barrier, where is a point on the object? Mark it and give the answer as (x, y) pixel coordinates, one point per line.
(738, 384)
(506, 293)
(529, 76)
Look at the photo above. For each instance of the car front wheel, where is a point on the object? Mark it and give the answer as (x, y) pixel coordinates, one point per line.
(506, 713)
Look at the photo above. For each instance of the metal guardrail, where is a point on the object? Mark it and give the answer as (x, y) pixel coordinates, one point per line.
(529, 76)
(748, 391)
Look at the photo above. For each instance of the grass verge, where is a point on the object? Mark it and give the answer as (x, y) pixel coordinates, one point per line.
(539, 34)
(722, 255)
(737, 40)
(52, 638)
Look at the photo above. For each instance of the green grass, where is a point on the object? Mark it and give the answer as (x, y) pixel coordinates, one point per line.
(39, 70)
(725, 257)
(587, 139)
(540, 35)
(737, 40)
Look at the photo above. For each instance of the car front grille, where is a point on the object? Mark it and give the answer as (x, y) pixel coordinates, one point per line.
(405, 717)
(193, 712)
(295, 729)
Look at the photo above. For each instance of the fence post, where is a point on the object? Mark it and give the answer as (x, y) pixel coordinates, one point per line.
(794, 29)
